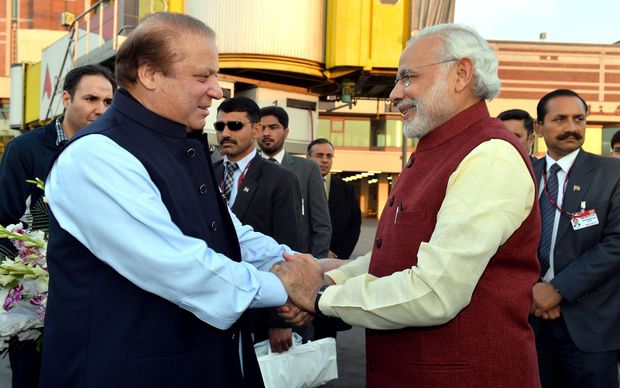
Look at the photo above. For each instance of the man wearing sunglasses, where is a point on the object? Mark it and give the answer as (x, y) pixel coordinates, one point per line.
(261, 194)
(316, 228)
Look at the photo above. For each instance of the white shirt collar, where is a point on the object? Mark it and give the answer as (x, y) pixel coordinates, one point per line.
(243, 163)
(565, 163)
(279, 156)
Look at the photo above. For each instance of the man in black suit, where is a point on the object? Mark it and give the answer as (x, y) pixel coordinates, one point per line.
(316, 229)
(260, 193)
(521, 124)
(577, 301)
(344, 209)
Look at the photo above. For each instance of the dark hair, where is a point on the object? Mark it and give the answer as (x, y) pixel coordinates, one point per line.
(615, 139)
(320, 140)
(541, 108)
(277, 111)
(241, 104)
(155, 42)
(74, 76)
(519, 114)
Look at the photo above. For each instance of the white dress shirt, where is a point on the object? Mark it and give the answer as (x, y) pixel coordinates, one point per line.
(243, 165)
(278, 157)
(565, 163)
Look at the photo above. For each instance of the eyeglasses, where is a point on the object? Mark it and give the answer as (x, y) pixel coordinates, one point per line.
(405, 75)
(232, 125)
(321, 156)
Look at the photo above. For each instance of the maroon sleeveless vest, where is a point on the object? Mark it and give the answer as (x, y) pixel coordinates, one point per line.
(489, 343)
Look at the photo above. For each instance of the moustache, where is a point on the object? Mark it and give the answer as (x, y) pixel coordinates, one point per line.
(566, 135)
(228, 140)
(409, 101)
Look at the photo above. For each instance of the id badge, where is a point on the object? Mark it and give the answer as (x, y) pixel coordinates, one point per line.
(584, 219)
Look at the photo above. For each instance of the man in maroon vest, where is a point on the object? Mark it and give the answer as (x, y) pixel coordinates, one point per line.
(446, 291)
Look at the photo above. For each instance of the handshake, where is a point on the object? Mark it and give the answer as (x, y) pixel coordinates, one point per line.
(302, 276)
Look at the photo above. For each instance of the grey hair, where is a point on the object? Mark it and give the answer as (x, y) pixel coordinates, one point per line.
(460, 41)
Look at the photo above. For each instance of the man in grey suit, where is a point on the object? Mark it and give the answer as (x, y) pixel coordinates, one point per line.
(577, 302)
(316, 227)
(261, 194)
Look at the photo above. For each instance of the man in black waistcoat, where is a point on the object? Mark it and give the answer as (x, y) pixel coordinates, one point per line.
(149, 272)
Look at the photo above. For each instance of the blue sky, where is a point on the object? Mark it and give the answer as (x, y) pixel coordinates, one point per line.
(574, 21)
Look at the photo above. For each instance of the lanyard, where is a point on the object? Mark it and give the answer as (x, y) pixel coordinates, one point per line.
(241, 177)
(553, 201)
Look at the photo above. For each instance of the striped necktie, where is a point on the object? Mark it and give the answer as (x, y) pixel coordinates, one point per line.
(547, 215)
(231, 167)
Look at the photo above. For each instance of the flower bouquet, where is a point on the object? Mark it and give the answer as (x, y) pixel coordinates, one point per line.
(23, 284)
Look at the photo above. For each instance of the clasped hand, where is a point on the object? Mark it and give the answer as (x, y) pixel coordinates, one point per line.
(302, 276)
(545, 301)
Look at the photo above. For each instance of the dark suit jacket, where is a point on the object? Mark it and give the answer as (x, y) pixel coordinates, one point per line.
(587, 261)
(268, 200)
(345, 215)
(316, 229)
(27, 156)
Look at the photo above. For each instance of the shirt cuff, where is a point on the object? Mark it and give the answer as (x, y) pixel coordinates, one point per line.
(272, 292)
(337, 275)
(326, 299)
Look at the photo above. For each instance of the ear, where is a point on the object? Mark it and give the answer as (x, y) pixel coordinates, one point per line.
(285, 133)
(147, 76)
(464, 74)
(537, 128)
(530, 140)
(256, 130)
(66, 99)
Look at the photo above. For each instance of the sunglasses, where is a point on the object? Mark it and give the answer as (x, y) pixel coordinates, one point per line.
(232, 125)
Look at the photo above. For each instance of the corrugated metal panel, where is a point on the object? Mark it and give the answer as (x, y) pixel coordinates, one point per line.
(270, 27)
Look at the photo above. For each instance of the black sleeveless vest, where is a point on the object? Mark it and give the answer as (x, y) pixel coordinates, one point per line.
(103, 331)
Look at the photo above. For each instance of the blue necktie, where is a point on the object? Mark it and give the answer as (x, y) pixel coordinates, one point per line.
(547, 216)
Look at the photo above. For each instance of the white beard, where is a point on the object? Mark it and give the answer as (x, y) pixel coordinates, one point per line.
(432, 110)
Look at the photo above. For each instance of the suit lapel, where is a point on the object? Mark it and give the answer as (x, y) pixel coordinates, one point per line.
(218, 169)
(288, 161)
(249, 187)
(578, 184)
(539, 166)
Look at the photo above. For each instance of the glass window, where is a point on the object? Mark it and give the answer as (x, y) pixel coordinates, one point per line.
(357, 133)
(324, 130)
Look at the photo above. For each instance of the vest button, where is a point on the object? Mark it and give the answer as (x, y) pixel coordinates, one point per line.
(214, 226)
(190, 153)
(371, 366)
(391, 201)
(379, 242)
(410, 163)
(203, 189)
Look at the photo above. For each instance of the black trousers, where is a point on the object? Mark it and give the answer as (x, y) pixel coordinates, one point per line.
(563, 365)
(25, 363)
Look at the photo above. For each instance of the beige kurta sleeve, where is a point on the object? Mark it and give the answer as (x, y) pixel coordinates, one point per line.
(488, 197)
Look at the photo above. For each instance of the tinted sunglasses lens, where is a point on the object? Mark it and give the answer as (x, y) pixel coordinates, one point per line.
(219, 126)
(232, 125)
(235, 125)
